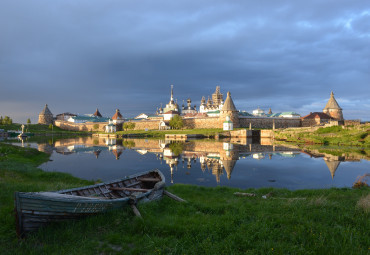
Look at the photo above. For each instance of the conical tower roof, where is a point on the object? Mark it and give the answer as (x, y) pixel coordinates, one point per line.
(97, 113)
(117, 154)
(332, 165)
(117, 115)
(46, 111)
(332, 103)
(229, 104)
(229, 166)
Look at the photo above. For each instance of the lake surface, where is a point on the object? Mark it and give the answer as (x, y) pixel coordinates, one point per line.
(233, 163)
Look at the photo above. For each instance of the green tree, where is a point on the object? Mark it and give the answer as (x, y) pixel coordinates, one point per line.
(125, 125)
(176, 122)
(1, 120)
(128, 144)
(176, 148)
(131, 125)
(28, 121)
(50, 126)
(6, 120)
(128, 125)
(96, 126)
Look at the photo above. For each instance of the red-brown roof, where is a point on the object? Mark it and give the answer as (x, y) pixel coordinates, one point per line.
(314, 115)
(117, 115)
(97, 113)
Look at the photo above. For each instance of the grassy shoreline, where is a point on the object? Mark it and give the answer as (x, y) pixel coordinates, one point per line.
(215, 221)
(39, 129)
(336, 135)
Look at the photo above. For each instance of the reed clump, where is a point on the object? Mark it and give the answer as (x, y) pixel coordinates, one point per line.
(361, 181)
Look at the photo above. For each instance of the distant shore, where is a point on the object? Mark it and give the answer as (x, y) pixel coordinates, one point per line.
(39, 129)
(357, 135)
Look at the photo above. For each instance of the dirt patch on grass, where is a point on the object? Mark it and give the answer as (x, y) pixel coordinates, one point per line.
(364, 203)
(320, 201)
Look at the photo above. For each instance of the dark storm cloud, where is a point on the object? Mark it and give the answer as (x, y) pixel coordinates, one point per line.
(79, 55)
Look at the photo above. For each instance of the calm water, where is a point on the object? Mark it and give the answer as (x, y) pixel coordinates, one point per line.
(243, 164)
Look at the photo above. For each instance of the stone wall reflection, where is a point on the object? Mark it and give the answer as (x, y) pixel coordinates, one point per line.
(217, 157)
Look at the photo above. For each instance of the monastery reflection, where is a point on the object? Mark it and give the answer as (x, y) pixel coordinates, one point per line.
(217, 157)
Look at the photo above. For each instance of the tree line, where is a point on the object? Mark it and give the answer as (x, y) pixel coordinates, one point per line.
(6, 120)
(9, 121)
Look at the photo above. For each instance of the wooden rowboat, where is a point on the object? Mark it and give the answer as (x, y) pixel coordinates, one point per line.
(35, 209)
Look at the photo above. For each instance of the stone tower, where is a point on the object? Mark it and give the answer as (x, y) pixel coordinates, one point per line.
(45, 116)
(217, 97)
(229, 110)
(333, 109)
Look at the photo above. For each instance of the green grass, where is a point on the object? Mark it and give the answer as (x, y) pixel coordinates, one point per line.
(38, 129)
(336, 135)
(333, 221)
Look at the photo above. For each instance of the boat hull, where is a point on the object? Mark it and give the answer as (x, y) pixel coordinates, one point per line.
(36, 209)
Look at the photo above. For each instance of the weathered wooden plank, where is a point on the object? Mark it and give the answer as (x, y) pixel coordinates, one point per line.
(132, 184)
(149, 179)
(102, 192)
(135, 210)
(241, 194)
(129, 189)
(174, 197)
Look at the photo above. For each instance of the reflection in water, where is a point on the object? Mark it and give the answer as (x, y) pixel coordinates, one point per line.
(218, 158)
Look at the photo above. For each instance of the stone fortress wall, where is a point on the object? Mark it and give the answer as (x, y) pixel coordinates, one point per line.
(88, 126)
(261, 122)
(146, 124)
(189, 123)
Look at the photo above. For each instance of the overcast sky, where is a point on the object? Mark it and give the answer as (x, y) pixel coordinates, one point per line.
(77, 55)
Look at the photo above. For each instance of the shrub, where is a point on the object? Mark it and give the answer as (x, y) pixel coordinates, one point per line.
(333, 129)
(128, 125)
